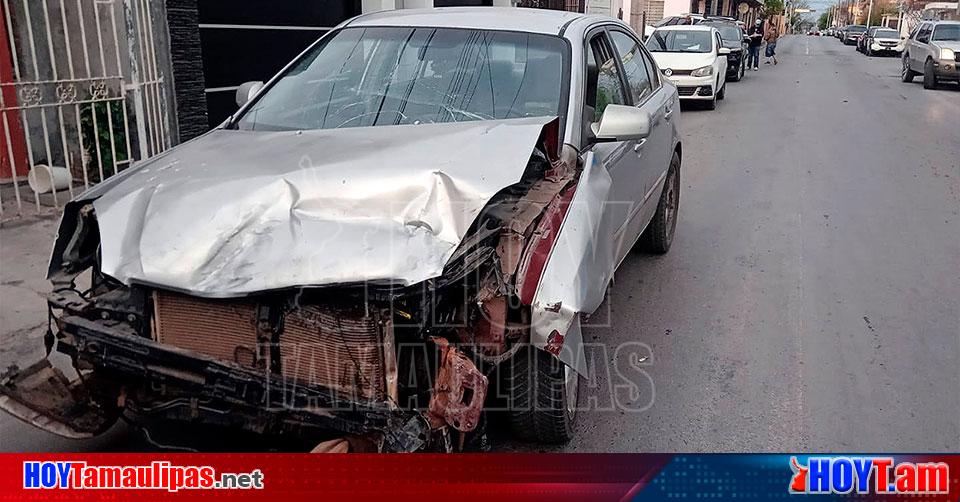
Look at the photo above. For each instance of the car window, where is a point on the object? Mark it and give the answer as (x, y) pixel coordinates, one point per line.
(923, 35)
(652, 69)
(946, 32)
(633, 67)
(380, 76)
(728, 32)
(680, 41)
(609, 87)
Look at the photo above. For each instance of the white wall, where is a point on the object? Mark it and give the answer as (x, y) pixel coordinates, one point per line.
(675, 7)
(375, 5)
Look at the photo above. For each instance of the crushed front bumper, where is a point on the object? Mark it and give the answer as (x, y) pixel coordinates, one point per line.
(164, 382)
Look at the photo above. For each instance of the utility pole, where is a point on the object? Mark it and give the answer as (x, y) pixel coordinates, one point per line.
(869, 14)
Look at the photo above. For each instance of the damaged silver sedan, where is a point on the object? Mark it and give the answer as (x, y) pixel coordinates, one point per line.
(395, 235)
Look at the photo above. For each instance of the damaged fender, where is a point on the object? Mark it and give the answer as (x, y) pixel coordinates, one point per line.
(577, 270)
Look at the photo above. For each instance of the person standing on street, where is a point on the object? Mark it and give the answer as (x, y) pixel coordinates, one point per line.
(771, 39)
(756, 40)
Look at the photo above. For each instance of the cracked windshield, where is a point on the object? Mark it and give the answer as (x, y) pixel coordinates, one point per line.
(389, 76)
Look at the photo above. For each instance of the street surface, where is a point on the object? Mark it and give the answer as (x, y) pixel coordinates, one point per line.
(811, 300)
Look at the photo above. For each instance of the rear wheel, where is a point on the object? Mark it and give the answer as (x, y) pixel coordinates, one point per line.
(658, 236)
(543, 397)
(906, 74)
(929, 78)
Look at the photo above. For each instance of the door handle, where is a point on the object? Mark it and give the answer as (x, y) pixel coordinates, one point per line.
(667, 114)
(639, 145)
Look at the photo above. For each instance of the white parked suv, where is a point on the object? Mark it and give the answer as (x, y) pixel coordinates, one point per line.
(693, 58)
(933, 50)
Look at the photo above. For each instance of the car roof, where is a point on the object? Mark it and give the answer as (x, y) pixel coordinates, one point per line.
(717, 22)
(550, 22)
(945, 21)
(686, 27)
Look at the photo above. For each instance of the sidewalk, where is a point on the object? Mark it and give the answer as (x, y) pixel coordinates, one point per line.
(24, 249)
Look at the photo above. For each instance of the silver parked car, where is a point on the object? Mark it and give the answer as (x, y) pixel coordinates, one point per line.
(419, 206)
(933, 50)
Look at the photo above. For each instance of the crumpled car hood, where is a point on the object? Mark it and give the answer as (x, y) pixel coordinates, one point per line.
(238, 212)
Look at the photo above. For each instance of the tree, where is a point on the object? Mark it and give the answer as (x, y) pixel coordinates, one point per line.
(881, 8)
(824, 18)
(796, 20)
(772, 8)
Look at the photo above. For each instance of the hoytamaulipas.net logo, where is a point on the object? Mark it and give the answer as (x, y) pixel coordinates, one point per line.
(159, 475)
(874, 475)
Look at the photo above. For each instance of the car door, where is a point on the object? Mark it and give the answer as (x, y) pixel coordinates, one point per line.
(719, 61)
(925, 50)
(919, 47)
(615, 156)
(649, 158)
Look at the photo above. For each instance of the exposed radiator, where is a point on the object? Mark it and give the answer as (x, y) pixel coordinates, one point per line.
(223, 329)
(334, 348)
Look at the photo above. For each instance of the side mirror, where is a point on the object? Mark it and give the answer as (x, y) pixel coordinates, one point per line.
(746, 39)
(247, 91)
(621, 123)
(723, 51)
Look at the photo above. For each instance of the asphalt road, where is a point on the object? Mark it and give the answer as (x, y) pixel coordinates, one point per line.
(811, 301)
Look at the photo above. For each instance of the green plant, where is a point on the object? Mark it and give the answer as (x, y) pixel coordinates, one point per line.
(822, 21)
(101, 135)
(772, 8)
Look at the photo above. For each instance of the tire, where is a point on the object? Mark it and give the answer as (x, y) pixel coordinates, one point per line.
(738, 75)
(906, 74)
(723, 92)
(537, 387)
(929, 79)
(658, 236)
(712, 104)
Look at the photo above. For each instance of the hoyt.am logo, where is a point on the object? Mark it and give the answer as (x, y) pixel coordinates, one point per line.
(877, 475)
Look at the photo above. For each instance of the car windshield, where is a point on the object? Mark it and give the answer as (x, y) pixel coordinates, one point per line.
(947, 32)
(392, 75)
(728, 32)
(680, 41)
(857, 29)
(886, 34)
